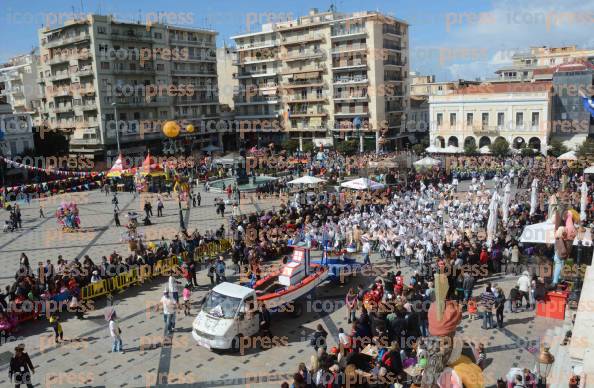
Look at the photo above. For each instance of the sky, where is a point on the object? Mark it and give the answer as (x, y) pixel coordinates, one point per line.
(449, 38)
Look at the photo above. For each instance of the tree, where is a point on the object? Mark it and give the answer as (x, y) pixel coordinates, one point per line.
(291, 145)
(586, 149)
(308, 146)
(418, 148)
(557, 148)
(527, 151)
(348, 147)
(470, 149)
(500, 147)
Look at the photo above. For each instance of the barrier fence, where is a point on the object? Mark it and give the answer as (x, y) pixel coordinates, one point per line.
(139, 274)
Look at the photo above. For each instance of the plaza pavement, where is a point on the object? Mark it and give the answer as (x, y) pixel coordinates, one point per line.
(85, 359)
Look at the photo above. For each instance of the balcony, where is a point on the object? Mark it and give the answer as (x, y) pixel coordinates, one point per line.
(59, 76)
(305, 55)
(256, 45)
(142, 70)
(350, 33)
(296, 99)
(304, 84)
(140, 102)
(349, 65)
(349, 48)
(83, 72)
(64, 41)
(308, 128)
(258, 100)
(351, 97)
(392, 30)
(351, 112)
(63, 108)
(394, 63)
(194, 73)
(396, 47)
(207, 58)
(286, 41)
(313, 113)
(199, 43)
(254, 75)
(203, 101)
(139, 37)
(350, 80)
(250, 60)
(89, 106)
(264, 115)
(318, 67)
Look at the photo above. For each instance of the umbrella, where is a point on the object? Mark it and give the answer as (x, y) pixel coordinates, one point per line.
(492, 222)
(452, 150)
(485, 150)
(583, 201)
(306, 180)
(589, 170)
(533, 198)
(570, 155)
(505, 203)
(427, 162)
(433, 149)
(362, 184)
(543, 233)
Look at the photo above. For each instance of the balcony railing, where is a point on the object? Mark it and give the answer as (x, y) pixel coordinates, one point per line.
(346, 48)
(308, 128)
(142, 37)
(248, 60)
(63, 108)
(306, 83)
(302, 39)
(258, 100)
(267, 73)
(89, 106)
(312, 113)
(201, 43)
(142, 70)
(350, 80)
(60, 41)
(248, 46)
(194, 72)
(293, 99)
(59, 76)
(352, 112)
(348, 64)
(391, 46)
(347, 31)
(388, 29)
(285, 70)
(142, 102)
(307, 54)
(347, 96)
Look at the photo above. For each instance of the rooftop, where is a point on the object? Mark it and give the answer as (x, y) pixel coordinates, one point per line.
(505, 87)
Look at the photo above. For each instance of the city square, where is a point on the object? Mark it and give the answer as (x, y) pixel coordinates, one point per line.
(308, 195)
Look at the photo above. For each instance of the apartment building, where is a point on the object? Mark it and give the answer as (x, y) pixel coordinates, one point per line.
(18, 82)
(517, 112)
(534, 63)
(98, 73)
(324, 76)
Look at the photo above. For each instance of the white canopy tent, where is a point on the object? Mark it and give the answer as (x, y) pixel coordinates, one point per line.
(544, 233)
(433, 149)
(306, 180)
(589, 170)
(570, 155)
(362, 184)
(485, 150)
(452, 150)
(427, 162)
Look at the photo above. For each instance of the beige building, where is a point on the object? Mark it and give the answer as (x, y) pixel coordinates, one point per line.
(537, 62)
(94, 67)
(321, 75)
(227, 82)
(425, 85)
(18, 82)
(517, 112)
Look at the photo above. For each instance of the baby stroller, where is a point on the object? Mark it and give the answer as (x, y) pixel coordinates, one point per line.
(8, 226)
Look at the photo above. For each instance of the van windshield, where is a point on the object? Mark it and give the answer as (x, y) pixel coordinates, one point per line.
(220, 306)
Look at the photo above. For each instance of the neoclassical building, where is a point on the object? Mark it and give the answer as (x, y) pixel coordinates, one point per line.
(518, 112)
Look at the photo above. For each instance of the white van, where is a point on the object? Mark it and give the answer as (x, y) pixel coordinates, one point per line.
(229, 312)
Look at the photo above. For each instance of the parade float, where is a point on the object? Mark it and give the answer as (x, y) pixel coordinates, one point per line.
(229, 311)
(67, 217)
(181, 187)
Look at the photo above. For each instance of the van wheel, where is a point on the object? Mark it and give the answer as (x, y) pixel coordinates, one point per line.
(297, 310)
(235, 343)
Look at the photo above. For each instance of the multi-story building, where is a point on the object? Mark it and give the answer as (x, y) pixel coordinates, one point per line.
(517, 112)
(227, 81)
(324, 75)
(18, 82)
(98, 73)
(534, 64)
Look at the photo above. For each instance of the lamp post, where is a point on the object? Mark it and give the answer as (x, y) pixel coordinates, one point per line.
(115, 109)
(544, 363)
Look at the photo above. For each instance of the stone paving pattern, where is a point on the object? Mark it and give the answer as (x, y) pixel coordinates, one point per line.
(85, 359)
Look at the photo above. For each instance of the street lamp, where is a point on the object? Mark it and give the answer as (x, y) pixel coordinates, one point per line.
(544, 363)
(115, 109)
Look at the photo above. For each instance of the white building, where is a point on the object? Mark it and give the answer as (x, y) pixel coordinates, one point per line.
(18, 82)
(517, 112)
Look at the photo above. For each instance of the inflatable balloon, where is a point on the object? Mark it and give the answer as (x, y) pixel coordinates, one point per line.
(171, 129)
(190, 128)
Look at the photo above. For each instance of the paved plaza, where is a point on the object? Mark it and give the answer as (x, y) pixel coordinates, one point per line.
(85, 359)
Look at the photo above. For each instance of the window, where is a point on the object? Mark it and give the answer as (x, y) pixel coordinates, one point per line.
(104, 65)
(160, 67)
(519, 119)
(158, 35)
(469, 119)
(500, 119)
(485, 120)
(439, 119)
(101, 29)
(535, 119)
(452, 119)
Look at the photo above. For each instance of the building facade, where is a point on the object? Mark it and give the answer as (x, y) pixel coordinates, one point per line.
(18, 82)
(518, 112)
(98, 74)
(325, 75)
